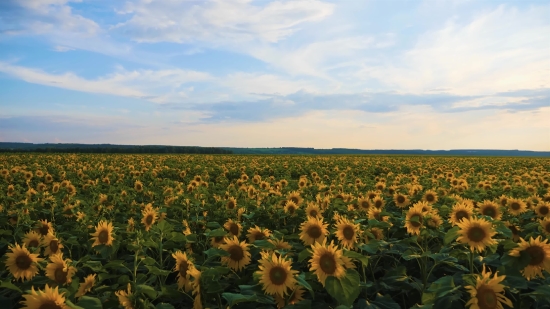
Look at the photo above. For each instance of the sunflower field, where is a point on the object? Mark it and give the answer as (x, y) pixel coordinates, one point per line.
(228, 231)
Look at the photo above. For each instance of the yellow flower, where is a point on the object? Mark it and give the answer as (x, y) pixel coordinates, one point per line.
(49, 298)
(32, 239)
(491, 209)
(488, 292)
(59, 271)
(477, 233)
(238, 257)
(234, 228)
(21, 263)
(414, 220)
(516, 206)
(313, 230)
(326, 261)
(461, 210)
(183, 267)
(347, 232)
(276, 275)
(539, 252)
(86, 286)
(103, 234)
(125, 298)
(150, 215)
(257, 233)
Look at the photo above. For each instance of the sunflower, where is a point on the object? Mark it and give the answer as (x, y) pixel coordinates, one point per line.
(49, 298)
(477, 233)
(32, 239)
(280, 244)
(491, 209)
(257, 233)
(430, 196)
(545, 224)
(313, 210)
(378, 202)
(503, 200)
(59, 271)
(326, 261)
(296, 296)
(543, 209)
(433, 220)
(401, 200)
(183, 267)
(276, 275)
(86, 286)
(295, 198)
(21, 263)
(488, 292)
(291, 207)
(231, 203)
(460, 211)
(44, 227)
(150, 215)
(313, 230)
(138, 186)
(539, 253)
(347, 232)
(196, 287)
(125, 298)
(103, 234)
(515, 230)
(234, 228)
(414, 220)
(364, 204)
(516, 206)
(238, 257)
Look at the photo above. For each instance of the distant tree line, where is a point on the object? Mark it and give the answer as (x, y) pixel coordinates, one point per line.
(118, 149)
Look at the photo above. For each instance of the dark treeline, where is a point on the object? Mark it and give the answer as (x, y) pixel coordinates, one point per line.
(107, 148)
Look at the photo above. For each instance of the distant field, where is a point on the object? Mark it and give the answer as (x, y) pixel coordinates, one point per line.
(218, 231)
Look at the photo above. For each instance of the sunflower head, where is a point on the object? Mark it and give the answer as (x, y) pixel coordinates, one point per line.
(488, 292)
(461, 211)
(313, 230)
(430, 197)
(539, 253)
(238, 256)
(347, 232)
(326, 261)
(276, 275)
(234, 228)
(21, 263)
(291, 207)
(49, 298)
(103, 234)
(516, 206)
(543, 209)
(257, 233)
(477, 233)
(150, 216)
(491, 209)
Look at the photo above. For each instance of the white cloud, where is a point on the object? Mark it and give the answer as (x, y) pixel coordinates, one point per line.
(218, 21)
(139, 83)
(500, 50)
(62, 49)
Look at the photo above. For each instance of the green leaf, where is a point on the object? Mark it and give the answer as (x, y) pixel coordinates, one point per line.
(451, 235)
(213, 225)
(89, 302)
(147, 290)
(301, 279)
(346, 289)
(164, 306)
(71, 305)
(157, 271)
(304, 255)
(502, 229)
(384, 302)
(372, 247)
(217, 233)
(116, 264)
(165, 227)
(357, 256)
(8, 285)
(233, 299)
(148, 261)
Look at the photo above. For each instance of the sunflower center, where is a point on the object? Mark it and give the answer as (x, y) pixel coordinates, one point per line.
(23, 262)
(184, 266)
(476, 234)
(461, 214)
(236, 253)
(54, 246)
(218, 238)
(33, 243)
(430, 198)
(291, 209)
(401, 199)
(327, 263)
(416, 220)
(487, 298)
(230, 205)
(44, 229)
(544, 210)
(149, 219)
(365, 204)
(314, 231)
(103, 237)
(313, 213)
(515, 206)
(259, 236)
(60, 275)
(348, 232)
(378, 204)
(277, 275)
(537, 255)
(50, 304)
(547, 227)
(294, 199)
(234, 229)
(489, 211)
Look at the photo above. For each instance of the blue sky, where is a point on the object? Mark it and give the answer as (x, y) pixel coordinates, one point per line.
(353, 74)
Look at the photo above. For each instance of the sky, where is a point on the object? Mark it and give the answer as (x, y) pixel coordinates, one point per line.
(303, 73)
